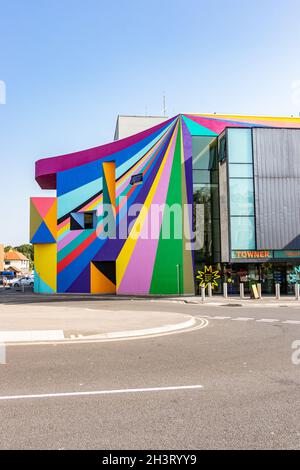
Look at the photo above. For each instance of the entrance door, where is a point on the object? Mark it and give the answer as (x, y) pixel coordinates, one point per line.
(103, 277)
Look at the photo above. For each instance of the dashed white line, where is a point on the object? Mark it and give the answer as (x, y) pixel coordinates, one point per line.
(260, 320)
(267, 320)
(292, 322)
(216, 318)
(242, 319)
(102, 392)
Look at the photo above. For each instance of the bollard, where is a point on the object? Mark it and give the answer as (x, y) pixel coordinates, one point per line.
(178, 278)
(259, 291)
(225, 290)
(242, 291)
(203, 293)
(297, 292)
(277, 291)
(209, 289)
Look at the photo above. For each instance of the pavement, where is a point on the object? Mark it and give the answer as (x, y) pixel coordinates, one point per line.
(218, 300)
(28, 317)
(230, 380)
(31, 323)
(233, 384)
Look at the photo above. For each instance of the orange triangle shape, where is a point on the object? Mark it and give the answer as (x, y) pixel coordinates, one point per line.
(99, 283)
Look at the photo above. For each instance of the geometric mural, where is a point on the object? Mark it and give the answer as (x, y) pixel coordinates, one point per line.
(43, 234)
(43, 220)
(160, 161)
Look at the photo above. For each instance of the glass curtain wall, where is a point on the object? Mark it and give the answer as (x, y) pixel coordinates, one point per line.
(241, 189)
(206, 213)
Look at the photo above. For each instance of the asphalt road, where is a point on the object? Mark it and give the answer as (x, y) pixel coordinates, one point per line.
(250, 395)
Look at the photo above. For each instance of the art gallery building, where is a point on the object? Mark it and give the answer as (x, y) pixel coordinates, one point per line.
(239, 175)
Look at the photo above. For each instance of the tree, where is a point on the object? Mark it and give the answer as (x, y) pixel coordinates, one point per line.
(26, 249)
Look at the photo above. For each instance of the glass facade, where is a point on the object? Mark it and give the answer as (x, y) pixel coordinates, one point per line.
(241, 189)
(235, 146)
(239, 145)
(267, 274)
(242, 233)
(241, 197)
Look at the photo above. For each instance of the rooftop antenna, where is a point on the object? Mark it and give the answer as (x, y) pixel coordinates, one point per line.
(164, 104)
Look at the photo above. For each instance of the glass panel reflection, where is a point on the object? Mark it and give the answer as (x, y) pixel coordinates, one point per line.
(242, 233)
(241, 197)
(240, 146)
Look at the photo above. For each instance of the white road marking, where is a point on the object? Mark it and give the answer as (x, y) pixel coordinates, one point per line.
(267, 320)
(102, 392)
(202, 323)
(242, 319)
(217, 318)
(292, 322)
(31, 335)
(260, 320)
(148, 331)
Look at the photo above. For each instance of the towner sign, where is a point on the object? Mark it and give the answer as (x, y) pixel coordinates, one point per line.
(252, 254)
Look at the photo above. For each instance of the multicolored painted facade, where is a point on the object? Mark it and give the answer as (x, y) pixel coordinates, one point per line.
(71, 252)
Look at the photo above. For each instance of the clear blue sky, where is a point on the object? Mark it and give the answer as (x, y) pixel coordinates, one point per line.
(71, 66)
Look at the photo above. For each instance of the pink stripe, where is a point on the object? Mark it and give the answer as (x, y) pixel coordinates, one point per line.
(215, 125)
(67, 239)
(138, 275)
(218, 124)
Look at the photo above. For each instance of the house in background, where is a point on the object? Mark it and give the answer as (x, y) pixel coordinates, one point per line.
(16, 262)
(1, 257)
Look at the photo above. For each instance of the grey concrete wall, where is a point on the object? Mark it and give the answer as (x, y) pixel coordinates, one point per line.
(277, 188)
(130, 125)
(224, 215)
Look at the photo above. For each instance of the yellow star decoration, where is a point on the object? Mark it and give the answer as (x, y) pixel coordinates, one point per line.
(267, 266)
(208, 276)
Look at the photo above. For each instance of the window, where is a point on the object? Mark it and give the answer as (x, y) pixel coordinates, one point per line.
(88, 220)
(241, 189)
(222, 149)
(205, 194)
(201, 177)
(83, 220)
(243, 233)
(238, 170)
(241, 197)
(202, 151)
(136, 179)
(240, 146)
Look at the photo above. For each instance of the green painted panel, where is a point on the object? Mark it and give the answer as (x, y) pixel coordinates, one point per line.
(169, 251)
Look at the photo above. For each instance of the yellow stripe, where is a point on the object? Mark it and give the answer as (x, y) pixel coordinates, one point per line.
(236, 117)
(63, 229)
